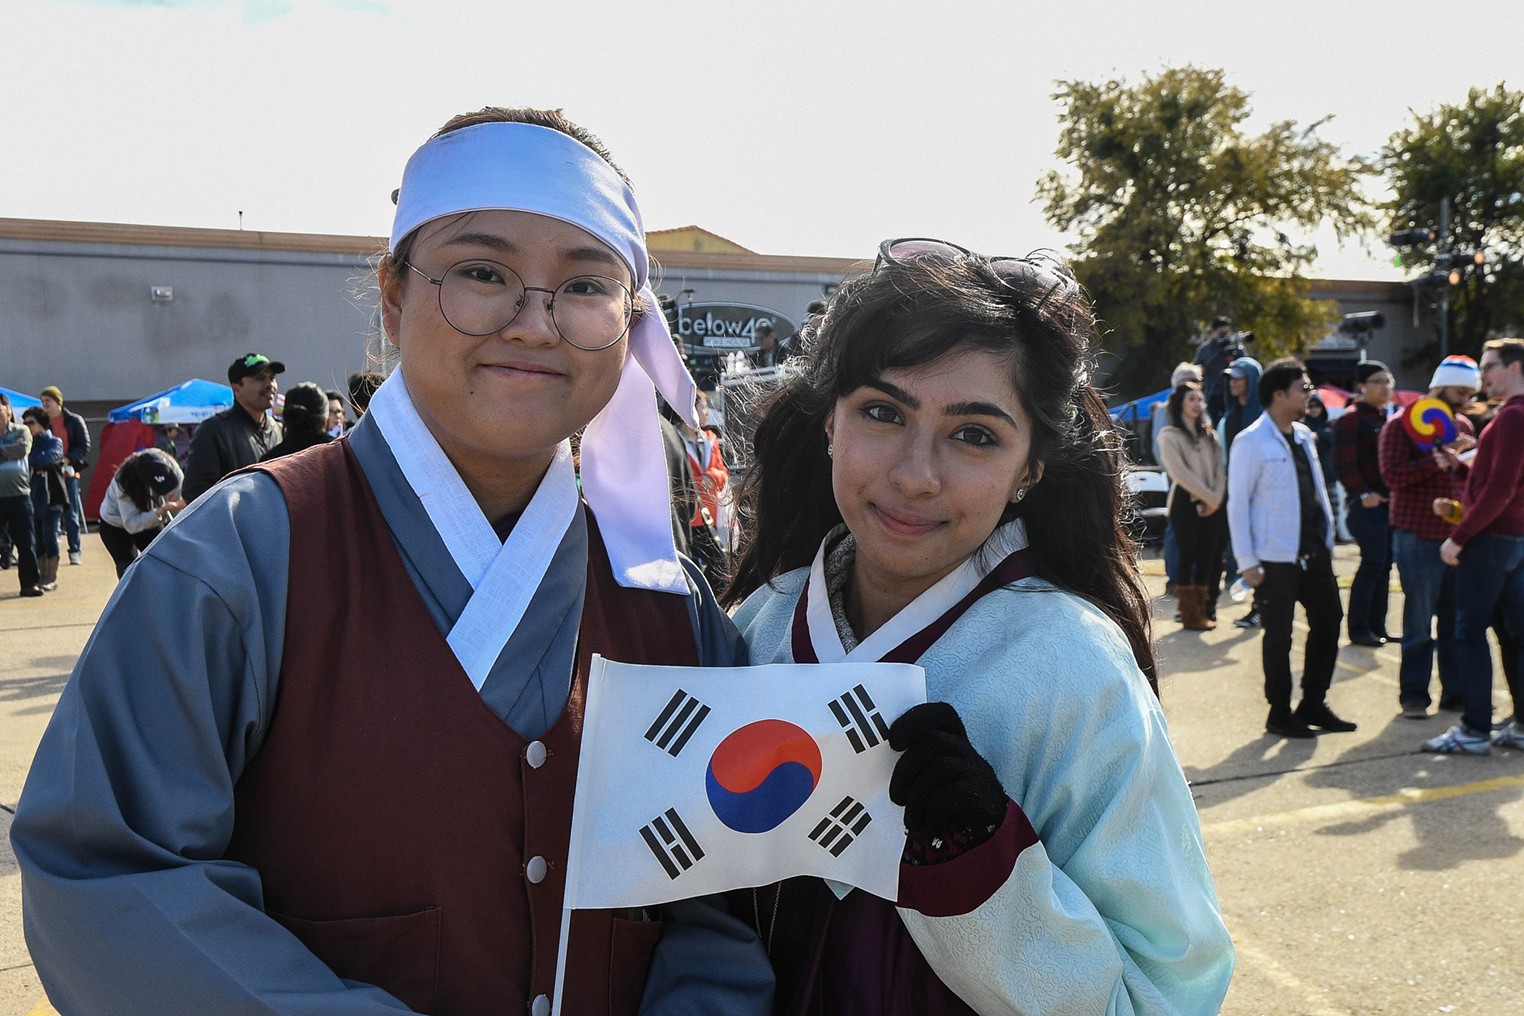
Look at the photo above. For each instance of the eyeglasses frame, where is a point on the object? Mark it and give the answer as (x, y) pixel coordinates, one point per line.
(550, 303)
(1031, 269)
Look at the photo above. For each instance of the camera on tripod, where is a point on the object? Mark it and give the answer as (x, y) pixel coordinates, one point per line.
(1233, 345)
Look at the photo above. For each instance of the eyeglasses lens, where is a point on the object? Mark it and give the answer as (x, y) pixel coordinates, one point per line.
(591, 312)
(1018, 272)
(911, 250)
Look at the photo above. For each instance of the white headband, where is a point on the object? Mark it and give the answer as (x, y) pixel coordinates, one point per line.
(523, 167)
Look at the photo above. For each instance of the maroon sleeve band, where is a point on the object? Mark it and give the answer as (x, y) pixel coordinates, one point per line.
(963, 884)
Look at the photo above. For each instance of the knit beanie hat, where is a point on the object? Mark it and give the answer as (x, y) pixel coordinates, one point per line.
(1365, 368)
(1457, 372)
(52, 392)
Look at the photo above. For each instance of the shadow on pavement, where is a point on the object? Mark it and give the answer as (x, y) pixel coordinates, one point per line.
(1445, 838)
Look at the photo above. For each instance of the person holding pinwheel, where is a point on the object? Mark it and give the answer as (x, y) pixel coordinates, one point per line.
(1486, 549)
(1419, 455)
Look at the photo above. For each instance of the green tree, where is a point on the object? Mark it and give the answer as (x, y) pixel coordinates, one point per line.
(1473, 154)
(1183, 214)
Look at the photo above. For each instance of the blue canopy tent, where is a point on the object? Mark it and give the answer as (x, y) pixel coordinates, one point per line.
(131, 427)
(19, 401)
(1129, 413)
(190, 402)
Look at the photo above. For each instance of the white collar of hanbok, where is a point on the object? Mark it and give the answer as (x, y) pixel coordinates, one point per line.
(504, 574)
(915, 616)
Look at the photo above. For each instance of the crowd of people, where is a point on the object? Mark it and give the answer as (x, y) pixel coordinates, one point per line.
(44, 455)
(1276, 462)
(409, 618)
(41, 457)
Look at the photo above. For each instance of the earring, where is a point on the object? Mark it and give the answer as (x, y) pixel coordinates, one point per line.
(1020, 493)
(830, 449)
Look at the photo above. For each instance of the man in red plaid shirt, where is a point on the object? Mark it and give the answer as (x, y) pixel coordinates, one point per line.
(1356, 436)
(1487, 550)
(1417, 474)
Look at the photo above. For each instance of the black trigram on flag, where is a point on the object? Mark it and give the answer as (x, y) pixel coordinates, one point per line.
(677, 722)
(846, 823)
(859, 719)
(672, 843)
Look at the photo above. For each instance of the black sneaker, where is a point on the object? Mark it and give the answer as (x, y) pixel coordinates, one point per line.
(1323, 718)
(1249, 620)
(31, 590)
(1288, 726)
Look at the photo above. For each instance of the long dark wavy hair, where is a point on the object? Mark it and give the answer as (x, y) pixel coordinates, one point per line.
(909, 314)
(1175, 410)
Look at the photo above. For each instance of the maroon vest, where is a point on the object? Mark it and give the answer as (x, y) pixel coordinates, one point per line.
(407, 835)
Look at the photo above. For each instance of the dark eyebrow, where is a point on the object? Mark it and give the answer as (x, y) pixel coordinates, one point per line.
(979, 409)
(956, 409)
(893, 391)
(598, 255)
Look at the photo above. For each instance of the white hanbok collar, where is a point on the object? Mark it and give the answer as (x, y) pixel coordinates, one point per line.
(920, 614)
(504, 574)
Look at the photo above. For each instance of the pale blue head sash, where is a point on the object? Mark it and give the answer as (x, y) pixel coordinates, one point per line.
(522, 167)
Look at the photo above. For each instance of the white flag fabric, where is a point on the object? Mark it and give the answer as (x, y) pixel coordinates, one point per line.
(694, 780)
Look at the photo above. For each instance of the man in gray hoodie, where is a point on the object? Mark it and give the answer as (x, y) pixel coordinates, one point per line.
(1243, 408)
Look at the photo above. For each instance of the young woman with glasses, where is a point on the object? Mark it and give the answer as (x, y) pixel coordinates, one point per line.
(941, 486)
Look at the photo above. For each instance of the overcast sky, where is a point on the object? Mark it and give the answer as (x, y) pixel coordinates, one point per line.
(791, 128)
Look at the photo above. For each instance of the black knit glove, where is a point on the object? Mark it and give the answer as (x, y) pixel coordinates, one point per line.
(944, 785)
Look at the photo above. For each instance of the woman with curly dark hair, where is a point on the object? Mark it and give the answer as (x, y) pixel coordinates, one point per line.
(940, 485)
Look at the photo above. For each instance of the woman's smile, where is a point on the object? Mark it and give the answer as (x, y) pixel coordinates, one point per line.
(924, 462)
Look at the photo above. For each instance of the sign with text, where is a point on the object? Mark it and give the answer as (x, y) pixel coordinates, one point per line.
(727, 327)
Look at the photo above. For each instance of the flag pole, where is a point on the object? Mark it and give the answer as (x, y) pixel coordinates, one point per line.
(555, 1006)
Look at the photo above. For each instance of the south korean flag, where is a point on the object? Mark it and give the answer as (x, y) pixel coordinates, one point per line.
(694, 780)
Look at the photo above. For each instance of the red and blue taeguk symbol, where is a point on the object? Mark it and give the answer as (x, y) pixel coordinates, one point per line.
(761, 774)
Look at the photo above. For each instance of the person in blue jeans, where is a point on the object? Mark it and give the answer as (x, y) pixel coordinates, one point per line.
(48, 495)
(1356, 436)
(16, 496)
(1417, 474)
(69, 427)
(1487, 551)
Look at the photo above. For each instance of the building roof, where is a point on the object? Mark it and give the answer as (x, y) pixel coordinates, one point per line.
(685, 247)
(692, 238)
(682, 247)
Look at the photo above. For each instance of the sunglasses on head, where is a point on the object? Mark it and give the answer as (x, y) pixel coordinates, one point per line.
(1020, 274)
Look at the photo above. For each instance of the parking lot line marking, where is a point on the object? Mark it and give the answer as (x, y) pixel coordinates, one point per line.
(1358, 808)
(44, 1008)
(1289, 982)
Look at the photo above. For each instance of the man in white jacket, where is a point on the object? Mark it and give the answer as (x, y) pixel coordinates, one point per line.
(1282, 529)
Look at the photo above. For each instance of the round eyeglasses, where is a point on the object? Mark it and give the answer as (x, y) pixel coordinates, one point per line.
(480, 297)
(1018, 273)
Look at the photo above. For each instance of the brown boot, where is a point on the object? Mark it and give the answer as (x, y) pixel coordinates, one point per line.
(1193, 609)
(48, 567)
